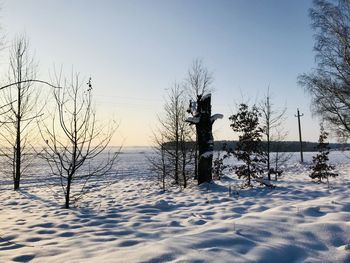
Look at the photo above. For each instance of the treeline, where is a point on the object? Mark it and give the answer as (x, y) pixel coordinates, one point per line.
(275, 146)
(284, 146)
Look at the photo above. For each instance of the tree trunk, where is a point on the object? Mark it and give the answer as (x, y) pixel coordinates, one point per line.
(268, 156)
(176, 168)
(205, 140)
(249, 176)
(164, 168)
(18, 161)
(204, 122)
(276, 163)
(196, 159)
(69, 181)
(18, 142)
(184, 170)
(177, 142)
(327, 182)
(14, 167)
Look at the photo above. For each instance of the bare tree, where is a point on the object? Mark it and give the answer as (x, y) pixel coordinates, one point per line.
(329, 83)
(271, 119)
(158, 160)
(199, 80)
(22, 108)
(74, 139)
(280, 157)
(198, 83)
(187, 149)
(172, 140)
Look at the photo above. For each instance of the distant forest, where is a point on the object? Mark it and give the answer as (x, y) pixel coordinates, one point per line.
(285, 146)
(276, 146)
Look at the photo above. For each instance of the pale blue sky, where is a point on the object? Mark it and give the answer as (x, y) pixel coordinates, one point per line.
(134, 50)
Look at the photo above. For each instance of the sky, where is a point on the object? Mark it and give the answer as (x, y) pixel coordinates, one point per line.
(134, 51)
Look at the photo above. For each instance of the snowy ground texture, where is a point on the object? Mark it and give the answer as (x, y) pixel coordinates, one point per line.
(131, 221)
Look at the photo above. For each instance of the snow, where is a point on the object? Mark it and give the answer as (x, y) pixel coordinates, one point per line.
(216, 117)
(133, 221)
(207, 154)
(193, 120)
(206, 96)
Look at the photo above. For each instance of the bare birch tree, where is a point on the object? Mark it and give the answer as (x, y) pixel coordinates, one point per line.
(199, 80)
(172, 140)
(280, 157)
(272, 120)
(74, 139)
(158, 161)
(329, 83)
(22, 109)
(187, 150)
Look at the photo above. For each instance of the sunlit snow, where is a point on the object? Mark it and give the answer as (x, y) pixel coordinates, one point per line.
(133, 221)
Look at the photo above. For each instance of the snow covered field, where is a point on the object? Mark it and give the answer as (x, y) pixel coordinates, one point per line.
(132, 221)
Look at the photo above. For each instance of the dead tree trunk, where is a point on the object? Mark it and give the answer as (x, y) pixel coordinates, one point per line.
(205, 140)
(204, 121)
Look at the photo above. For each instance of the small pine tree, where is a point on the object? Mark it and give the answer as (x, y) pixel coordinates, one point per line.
(218, 163)
(248, 148)
(320, 168)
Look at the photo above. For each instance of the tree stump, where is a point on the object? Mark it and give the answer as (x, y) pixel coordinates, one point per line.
(201, 117)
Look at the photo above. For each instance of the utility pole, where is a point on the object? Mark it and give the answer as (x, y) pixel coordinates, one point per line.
(300, 139)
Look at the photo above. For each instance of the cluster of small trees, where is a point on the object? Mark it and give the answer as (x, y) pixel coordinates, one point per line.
(256, 159)
(175, 148)
(255, 124)
(175, 155)
(176, 152)
(173, 142)
(70, 133)
(328, 86)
